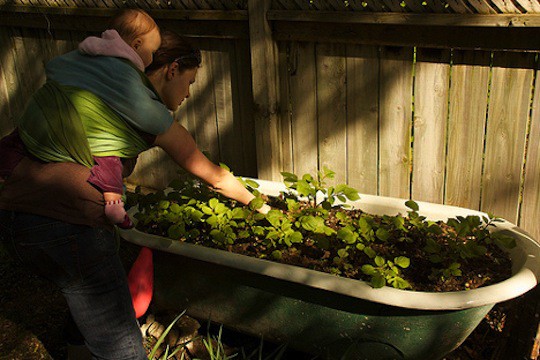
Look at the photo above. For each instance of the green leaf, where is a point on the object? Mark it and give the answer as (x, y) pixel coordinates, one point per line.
(401, 283)
(378, 281)
(256, 203)
(304, 189)
(341, 216)
(328, 173)
(402, 261)
(432, 246)
(252, 183)
(379, 260)
(218, 236)
(223, 166)
(221, 208)
(273, 235)
(212, 221)
(164, 204)
(213, 203)
(351, 194)
(274, 217)
(347, 235)
(295, 237)
(238, 213)
(368, 270)
(456, 272)
(196, 215)
(176, 232)
(258, 230)
(312, 223)
(412, 205)
(382, 234)
(308, 178)
(289, 177)
(326, 205)
(342, 253)
(364, 225)
(370, 252)
(434, 229)
(175, 208)
(207, 210)
(504, 241)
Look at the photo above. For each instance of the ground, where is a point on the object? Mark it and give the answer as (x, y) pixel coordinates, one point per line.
(32, 313)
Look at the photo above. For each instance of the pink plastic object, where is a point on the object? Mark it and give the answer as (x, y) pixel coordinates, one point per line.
(141, 281)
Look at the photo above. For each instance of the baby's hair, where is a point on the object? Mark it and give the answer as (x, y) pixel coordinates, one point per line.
(175, 48)
(132, 23)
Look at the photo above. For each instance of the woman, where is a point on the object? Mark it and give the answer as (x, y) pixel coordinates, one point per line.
(53, 219)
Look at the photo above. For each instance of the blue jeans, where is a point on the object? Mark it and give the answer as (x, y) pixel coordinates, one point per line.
(83, 262)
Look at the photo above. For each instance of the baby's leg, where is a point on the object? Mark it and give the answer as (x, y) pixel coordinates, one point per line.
(106, 175)
(114, 210)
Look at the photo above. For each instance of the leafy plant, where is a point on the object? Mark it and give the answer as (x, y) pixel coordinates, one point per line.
(315, 190)
(309, 218)
(387, 272)
(157, 345)
(214, 347)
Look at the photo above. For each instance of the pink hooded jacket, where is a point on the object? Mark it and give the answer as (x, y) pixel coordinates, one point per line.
(110, 44)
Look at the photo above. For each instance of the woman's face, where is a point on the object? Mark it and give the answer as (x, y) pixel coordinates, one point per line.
(177, 88)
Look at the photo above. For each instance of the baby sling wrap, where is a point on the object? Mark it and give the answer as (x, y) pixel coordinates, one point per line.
(69, 124)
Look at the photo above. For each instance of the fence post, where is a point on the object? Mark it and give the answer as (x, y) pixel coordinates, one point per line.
(265, 91)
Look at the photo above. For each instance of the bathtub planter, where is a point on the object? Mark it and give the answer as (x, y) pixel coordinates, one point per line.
(319, 313)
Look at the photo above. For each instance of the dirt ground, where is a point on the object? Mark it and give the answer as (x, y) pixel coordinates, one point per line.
(32, 313)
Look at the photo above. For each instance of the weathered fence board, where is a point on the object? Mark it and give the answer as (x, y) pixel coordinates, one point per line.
(202, 112)
(466, 127)
(242, 95)
(512, 77)
(431, 88)
(362, 117)
(13, 73)
(506, 6)
(303, 107)
(395, 121)
(225, 125)
(530, 208)
(287, 149)
(265, 91)
(331, 105)
(532, 6)
(7, 86)
(459, 6)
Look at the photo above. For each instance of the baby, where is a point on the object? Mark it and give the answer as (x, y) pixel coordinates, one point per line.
(132, 35)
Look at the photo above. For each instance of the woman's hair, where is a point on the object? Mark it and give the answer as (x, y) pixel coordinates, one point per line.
(132, 23)
(175, 48)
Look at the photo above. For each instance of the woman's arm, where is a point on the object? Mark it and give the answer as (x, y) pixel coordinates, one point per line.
(180, 145)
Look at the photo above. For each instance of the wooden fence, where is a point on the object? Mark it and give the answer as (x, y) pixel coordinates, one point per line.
(440, 107)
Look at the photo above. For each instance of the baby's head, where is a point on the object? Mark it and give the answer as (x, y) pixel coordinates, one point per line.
(139, 31)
